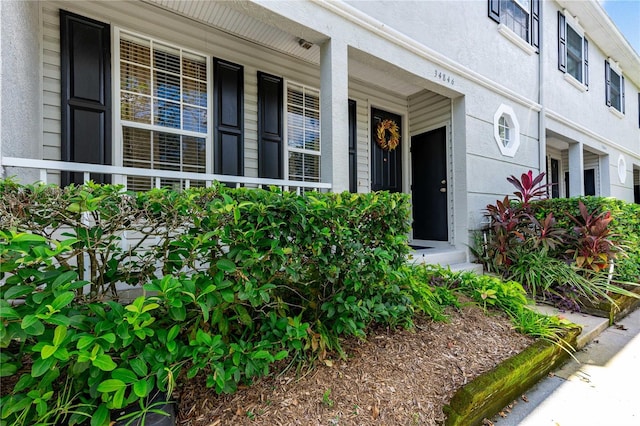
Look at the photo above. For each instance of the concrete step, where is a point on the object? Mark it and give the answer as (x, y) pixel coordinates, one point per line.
(467, 267)
(442, 257)
(592, 326)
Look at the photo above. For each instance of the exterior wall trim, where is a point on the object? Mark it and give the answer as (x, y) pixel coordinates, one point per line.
(575, 126)
(357, 17)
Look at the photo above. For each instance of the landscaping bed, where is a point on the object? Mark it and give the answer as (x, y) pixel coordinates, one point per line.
(398, 377)
(617, 308)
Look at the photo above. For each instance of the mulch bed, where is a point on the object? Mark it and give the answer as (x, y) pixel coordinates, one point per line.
(395, 377)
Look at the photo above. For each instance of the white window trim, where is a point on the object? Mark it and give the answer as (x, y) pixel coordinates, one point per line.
(622, 169)
(516, 39)
(570, 21)
(615, 112)
(615, 67)
(118, 123)
(573, 22)
(576, 83)
(287, 148)
(514, 143)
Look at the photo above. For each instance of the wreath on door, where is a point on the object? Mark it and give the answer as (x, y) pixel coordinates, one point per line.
(388, 135)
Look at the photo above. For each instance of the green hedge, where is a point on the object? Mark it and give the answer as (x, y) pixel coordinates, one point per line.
(234, 280)
(625, 227)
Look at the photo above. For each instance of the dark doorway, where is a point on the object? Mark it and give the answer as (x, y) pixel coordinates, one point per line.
(429, 185)
(554, 178)
(589, 182)
(386, 164)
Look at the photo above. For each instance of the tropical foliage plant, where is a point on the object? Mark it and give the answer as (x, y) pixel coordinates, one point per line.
(567, 261)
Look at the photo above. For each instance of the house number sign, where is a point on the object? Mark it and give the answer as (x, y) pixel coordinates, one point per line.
(443, 76)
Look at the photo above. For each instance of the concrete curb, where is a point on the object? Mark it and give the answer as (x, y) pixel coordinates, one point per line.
(489, 393)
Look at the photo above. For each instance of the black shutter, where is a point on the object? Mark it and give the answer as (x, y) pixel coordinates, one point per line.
(85, 75)
(228, 89)
(535, 24)
(621, 93)
(607, 79)
(586, 62)
(562, 43)
(353, 159)
(270, 113)
(494, 10)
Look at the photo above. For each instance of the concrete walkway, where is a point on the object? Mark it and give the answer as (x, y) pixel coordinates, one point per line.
(600, 389)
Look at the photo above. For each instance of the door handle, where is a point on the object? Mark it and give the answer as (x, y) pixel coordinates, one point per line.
(443, 189)
(443, 182)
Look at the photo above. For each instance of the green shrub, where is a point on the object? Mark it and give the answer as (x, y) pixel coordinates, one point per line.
(233, 280)
(624, 226)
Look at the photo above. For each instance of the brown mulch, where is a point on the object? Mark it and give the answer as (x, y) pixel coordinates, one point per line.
(396, 377)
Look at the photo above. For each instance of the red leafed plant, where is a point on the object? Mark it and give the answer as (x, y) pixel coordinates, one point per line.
(529, 187)
(594, 248)
(512, 222)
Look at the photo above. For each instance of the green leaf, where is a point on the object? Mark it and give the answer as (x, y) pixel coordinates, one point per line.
(228, 295)
(118, 398)
(243, 315)
(140, 388)
(62, 300)
(41, 366)
(64, 278)
(59, 334)
(281, 355)
(178, 313)
(100, 416)
(28, 321)
(173, 332)
(127, 376)
(111, 385)
(7, 312)
(226, 265)
(261, 355)
(109, 337)
(17, 291)
(139, 366)
(8, 369)
(84, 342)
(47, 351)
(150, 307)
(21, 238)
(104, 362)
(14, 405)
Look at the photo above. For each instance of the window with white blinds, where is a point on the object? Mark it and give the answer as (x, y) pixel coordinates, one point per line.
(303, 133)
(163, 109)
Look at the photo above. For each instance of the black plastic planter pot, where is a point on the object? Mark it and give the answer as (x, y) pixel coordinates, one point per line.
(157, 401)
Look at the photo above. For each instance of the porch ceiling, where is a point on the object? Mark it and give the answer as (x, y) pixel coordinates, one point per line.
(258, 25)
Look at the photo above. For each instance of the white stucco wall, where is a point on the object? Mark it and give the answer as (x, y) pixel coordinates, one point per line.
(460, 30)
(583, 116)
(21, 110)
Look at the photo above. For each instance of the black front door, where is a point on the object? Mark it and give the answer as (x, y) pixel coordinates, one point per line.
(429, 185)
(386, 163)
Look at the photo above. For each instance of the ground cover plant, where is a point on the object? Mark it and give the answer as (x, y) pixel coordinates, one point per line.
(566, 251)
(231, 282)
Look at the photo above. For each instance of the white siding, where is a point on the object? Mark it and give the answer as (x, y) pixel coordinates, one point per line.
(366, 97)
(428, 110)
(184, 33)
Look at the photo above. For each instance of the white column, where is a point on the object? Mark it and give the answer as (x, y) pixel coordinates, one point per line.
(576, 170)
(334, 114)
(605, 176)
